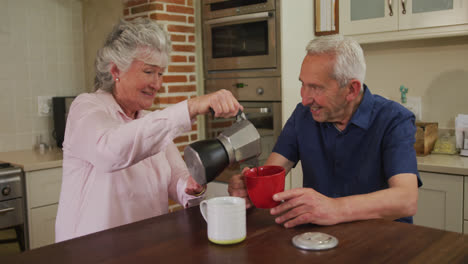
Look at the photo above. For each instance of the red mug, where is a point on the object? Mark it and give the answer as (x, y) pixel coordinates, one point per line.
(262, 183)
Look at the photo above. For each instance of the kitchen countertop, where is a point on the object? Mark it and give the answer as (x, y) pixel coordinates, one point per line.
(31, 160)
(181, 237)
(443, 163)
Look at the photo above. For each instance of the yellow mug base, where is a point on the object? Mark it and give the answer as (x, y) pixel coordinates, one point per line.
(226, 242)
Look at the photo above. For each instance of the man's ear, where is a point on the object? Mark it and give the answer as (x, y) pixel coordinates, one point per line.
(115, 71)
(354, 89)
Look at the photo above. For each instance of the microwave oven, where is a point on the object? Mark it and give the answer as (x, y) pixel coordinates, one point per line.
(241, 38)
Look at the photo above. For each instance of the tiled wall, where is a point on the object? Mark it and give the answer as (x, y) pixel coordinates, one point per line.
(179, 81)
(41, 54)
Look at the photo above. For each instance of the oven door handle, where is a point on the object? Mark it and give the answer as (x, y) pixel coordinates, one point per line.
(262, 110)
(6, 210)
(239, 18)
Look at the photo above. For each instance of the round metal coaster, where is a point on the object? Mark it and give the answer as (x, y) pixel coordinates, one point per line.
(314, 241)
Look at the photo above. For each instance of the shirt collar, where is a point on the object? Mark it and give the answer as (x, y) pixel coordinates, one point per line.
(362, 116)
(115, 107)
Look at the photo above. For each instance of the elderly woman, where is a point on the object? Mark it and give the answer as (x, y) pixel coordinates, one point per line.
(119, 162)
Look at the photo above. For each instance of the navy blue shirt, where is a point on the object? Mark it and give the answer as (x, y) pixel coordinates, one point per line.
(376, 144)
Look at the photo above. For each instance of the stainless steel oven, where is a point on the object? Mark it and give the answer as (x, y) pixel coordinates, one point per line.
(261, 99)
(241, 38)
(12, 209)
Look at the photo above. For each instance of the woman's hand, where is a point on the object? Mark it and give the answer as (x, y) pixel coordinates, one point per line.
(193, 188)
(237, 188)
(223, 103)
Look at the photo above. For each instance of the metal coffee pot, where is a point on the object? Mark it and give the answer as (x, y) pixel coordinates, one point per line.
(206, 159)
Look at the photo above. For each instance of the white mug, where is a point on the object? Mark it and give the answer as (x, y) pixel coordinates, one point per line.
(226, 220)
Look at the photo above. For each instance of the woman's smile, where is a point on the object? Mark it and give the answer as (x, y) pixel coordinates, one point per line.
(151, 94)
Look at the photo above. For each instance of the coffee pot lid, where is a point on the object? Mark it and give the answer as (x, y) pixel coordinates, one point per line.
(314, 241)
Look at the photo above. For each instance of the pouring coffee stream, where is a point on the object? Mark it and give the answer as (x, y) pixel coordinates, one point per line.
(207, 159)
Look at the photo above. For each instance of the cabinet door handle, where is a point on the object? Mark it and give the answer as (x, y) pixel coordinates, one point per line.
(403, 5)
(390, 6)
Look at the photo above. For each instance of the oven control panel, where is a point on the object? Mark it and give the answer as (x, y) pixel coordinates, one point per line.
(10, 183)
(216, 9)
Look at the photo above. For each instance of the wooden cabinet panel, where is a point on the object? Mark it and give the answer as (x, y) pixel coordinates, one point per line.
(42, 229)
(440, 203)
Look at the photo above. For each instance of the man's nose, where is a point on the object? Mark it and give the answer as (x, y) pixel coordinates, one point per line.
(307, 99)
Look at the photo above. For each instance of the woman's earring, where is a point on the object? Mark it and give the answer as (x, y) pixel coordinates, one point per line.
(117, 79)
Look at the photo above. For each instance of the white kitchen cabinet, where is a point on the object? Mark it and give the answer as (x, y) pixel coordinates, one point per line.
(42, 228)
(389, 20)
(216, 189)
(43, 191)
(440, 203)
(465, 214)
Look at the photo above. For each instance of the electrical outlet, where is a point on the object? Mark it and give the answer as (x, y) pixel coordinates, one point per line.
(413, 103)
(44, 105)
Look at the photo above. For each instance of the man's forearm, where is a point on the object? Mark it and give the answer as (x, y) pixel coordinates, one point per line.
(400, 200)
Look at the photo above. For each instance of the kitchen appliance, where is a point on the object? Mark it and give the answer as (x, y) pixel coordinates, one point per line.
(12, 204)
(241, 38)
(261, 99)
(206, 159)
(61, 106)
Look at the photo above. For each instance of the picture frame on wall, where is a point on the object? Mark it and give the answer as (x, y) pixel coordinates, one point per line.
(326, 17)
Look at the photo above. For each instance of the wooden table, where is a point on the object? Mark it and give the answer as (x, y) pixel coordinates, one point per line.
(180, 237)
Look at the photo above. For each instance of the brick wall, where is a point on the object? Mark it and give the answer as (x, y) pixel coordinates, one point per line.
(179, 81)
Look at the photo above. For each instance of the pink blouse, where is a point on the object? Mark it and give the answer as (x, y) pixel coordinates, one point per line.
(117, 170)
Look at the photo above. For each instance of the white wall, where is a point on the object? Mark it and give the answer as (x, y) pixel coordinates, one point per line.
(434, 69)
(99, 16)
(41, 54)
(296, 31)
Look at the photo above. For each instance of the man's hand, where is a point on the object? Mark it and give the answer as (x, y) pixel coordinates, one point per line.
(305, 205)
(237, 188)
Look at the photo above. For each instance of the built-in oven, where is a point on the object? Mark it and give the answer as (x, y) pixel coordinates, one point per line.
(13, 230)
(261, 99)
(241, 38)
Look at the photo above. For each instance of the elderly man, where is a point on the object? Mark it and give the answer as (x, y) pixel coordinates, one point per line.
(356, 148)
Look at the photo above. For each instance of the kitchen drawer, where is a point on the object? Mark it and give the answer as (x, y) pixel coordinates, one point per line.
(43, 187)
(42, 228)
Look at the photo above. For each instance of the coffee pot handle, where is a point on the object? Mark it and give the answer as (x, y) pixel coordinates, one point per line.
(240, 115)
(204, 209)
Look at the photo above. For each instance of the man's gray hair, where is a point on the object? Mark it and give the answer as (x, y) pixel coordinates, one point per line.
(349, 57)
(141, 38)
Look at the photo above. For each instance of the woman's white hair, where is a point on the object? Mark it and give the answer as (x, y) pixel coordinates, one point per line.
(141, 38)
(349, 57)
